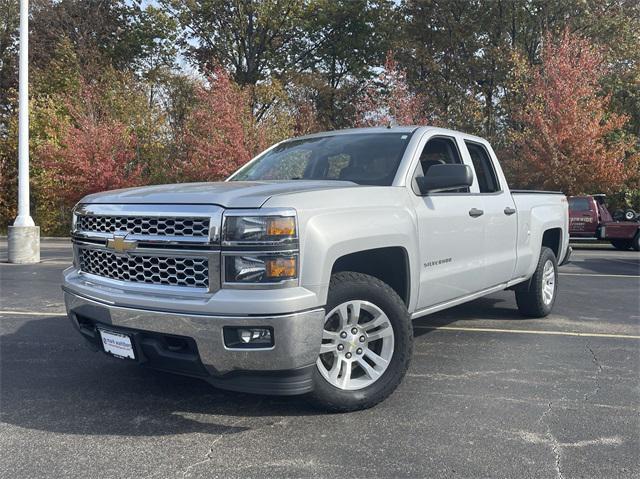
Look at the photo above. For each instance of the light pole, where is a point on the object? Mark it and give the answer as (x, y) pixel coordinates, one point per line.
(24, 236)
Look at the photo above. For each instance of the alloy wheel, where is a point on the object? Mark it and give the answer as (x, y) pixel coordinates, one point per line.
(548, 282)
(357, 345)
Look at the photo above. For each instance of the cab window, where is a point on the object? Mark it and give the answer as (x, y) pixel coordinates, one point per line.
(486, 175)
(438, 151)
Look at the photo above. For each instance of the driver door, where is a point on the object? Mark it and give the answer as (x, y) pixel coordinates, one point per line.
(451, 234)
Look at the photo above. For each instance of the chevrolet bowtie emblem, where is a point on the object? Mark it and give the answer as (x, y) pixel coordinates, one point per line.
(120, 244)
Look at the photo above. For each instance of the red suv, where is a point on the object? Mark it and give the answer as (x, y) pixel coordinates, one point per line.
(589, 218)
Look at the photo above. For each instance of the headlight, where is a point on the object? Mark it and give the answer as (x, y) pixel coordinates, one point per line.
(260, 248)
(260, 268)
(251, 230)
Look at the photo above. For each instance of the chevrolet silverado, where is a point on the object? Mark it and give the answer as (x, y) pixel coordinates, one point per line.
(301, 273)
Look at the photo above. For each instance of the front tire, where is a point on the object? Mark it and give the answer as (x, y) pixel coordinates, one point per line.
(366, 346)
(536, 297)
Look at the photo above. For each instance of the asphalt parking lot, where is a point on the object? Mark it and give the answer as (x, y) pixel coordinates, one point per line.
(489, 394)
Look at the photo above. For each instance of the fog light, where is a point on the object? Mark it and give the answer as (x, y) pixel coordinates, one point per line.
(248, 338)
(255, 335)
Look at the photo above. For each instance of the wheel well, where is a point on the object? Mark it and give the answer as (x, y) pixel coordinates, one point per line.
(551, 239)
(390, 265)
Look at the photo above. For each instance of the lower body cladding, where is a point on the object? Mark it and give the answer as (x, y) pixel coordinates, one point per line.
(219, 349)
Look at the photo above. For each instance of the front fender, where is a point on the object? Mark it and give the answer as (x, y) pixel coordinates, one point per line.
(331, 235)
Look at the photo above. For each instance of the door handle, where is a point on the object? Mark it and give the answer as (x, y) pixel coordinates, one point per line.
(509, 211)
(475, 212)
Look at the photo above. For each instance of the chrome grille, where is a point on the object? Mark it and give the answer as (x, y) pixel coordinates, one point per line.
(191, 227)
(161, 270)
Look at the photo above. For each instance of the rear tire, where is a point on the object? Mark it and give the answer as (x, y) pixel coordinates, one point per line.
(351, 373)
(536, 297)
(622, 244)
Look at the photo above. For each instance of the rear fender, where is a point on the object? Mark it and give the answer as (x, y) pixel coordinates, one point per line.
(531, 229)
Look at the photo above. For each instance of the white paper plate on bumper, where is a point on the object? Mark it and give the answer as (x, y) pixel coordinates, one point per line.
(117, 344)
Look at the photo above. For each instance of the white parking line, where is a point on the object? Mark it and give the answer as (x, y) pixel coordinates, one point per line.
(601, 275)
(617, 260)
(31, 313)
(529, 331)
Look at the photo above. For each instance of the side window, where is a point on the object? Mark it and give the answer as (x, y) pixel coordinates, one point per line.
(439, 151)
(579, 204)
(487, 180)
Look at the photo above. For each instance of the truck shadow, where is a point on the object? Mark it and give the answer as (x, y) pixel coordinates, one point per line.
(490, 307)
(50, 381)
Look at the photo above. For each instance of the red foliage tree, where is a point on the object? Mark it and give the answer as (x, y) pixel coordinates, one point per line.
(569, 140)
(388, 99)
(220, 133)
(94, 151)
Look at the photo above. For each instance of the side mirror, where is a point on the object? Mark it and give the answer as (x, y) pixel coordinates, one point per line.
(444, 177)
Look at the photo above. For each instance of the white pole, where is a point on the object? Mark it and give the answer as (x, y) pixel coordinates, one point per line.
(23, 237)
(24, 215)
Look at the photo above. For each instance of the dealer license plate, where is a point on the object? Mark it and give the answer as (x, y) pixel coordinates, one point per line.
(119, 345)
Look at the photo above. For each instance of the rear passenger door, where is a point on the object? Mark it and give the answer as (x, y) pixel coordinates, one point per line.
(450, 233)
(500, 217)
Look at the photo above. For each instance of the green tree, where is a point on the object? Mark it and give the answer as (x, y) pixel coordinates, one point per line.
(352, 37)
(120, 33)
(9, 22)
(325, 47)
(251, 39)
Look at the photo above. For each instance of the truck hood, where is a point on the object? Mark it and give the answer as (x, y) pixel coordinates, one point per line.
(231, 194)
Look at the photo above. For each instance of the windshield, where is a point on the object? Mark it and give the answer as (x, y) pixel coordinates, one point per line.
(364, 158)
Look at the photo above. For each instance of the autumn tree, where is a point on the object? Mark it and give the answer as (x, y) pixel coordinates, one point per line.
(388, 99)
(220, 134)
(567, 139)
(94, 151)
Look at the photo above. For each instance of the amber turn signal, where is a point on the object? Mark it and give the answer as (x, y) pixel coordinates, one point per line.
(281, 226)
(281, 268)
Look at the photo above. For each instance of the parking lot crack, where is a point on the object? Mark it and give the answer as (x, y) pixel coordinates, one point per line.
(553, 441)
(596, 361)
(209, 455)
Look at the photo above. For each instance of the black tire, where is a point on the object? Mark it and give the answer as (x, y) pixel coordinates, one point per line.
(618, 215)
(622, 244)
(346, 286)
(636, 242)
(530, 294)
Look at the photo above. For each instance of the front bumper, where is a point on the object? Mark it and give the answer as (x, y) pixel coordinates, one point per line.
(285, 368)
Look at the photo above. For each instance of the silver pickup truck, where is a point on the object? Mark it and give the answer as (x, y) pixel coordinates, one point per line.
(301, 273)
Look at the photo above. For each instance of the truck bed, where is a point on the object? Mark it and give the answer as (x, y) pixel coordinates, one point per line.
(536, 192)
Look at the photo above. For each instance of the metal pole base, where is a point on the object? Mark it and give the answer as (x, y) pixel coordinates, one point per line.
(24, 244)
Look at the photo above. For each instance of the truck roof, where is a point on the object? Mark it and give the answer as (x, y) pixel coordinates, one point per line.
(384, 129)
